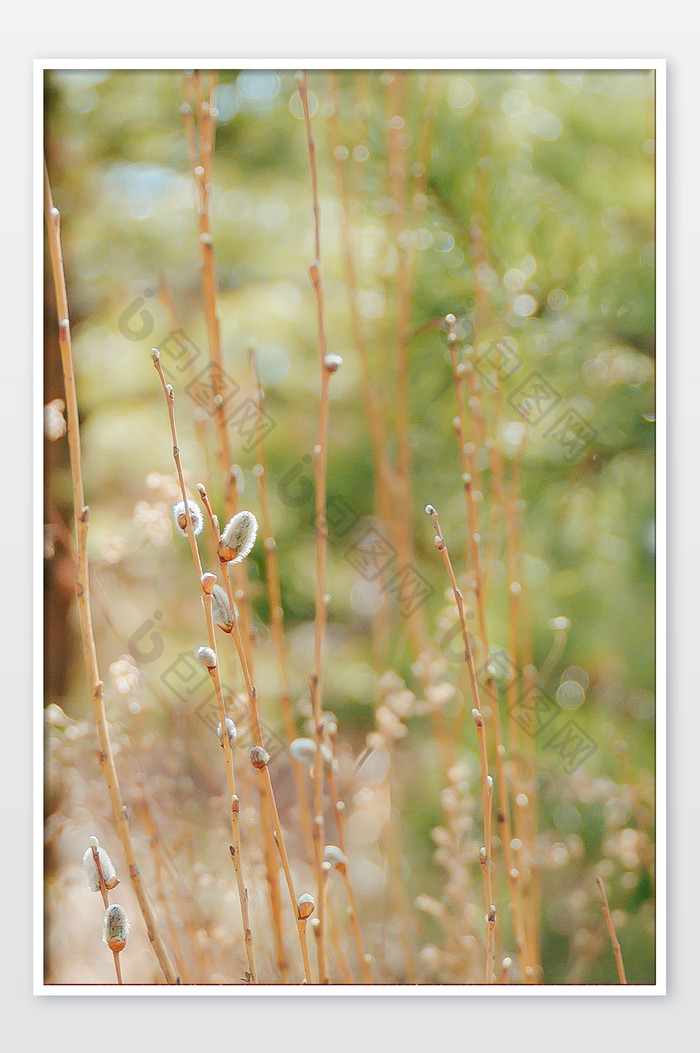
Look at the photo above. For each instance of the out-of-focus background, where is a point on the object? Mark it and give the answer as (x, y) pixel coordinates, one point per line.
(529, 215)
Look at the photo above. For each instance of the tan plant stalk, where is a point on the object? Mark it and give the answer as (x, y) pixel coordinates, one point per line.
(199, 423)
(388, 484)
(339, 808)
(398, 890)
(82, 514)
(105, 900)
(375, 420)
(197, 116)
(617, 950)
(337, 945)
(274, 593)
(398, 183)
(532, 884)
(304, 947)
(206, 582)
(142, 806)
(267, 796)
(513, 689)
(100, 876)
(486, 778)
(469, 465)
(518, 886)
(197, 107)
(320, 461)
(259, 759)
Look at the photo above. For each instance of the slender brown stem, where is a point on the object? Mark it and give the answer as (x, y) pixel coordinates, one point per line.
(320, 461)
(105, 901)
(100, 876)
(235, 848)
(274, 592)
(301, 923)
(336, 943)
(470, 481)
(267, 797)
(486, 779)
(206, 582)
(339, 809)
(617, 950)
(144, 808)
(201, 173)
(81, 513)
(117, 967)
(284, 858)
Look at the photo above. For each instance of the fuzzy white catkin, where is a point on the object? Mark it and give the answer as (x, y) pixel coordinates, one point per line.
(333, 855)
(207, 657)
(108, 871)
(230, 728)
(222, 609)
(180, 517)
(116, 925)
(239, 535)
(303, 750)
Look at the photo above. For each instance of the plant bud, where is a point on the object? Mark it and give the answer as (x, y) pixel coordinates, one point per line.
(430, 510)
(116, 928)
(303, 750)
(238, 537)
(109, 874)
(208, 583)
(207, 657)
(232, 731)
(237, 478)
(306, 905)
(259, 757)
(180, 517)
(337, 859)
(222, 609)
(332, 363)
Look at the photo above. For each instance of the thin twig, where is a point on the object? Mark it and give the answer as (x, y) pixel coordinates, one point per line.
(320, 461)
(206, 582)
(486, 778)
(82, 514)
(274, 592)
(201, 174)
(470, 481)
(617, 950)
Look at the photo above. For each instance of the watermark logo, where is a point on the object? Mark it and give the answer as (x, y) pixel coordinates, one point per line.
(534, 399)
(370, 554)
(410, 589)
(572, 745)
(540, 718)
(573, 433)
(534, 711)
(498, 362)
(178, 354)
(368, 550)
